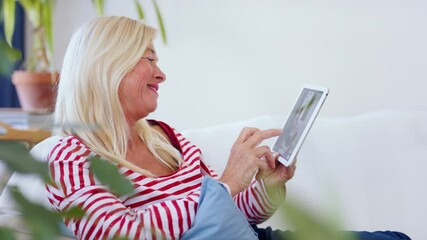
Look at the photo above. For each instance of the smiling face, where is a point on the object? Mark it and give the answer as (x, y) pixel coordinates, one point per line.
(138, 91)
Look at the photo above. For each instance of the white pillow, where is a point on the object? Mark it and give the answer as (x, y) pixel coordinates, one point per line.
(31, 186)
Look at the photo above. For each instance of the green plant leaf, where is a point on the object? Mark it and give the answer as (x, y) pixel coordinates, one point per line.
(7, 234)
(313, 227)
(33, 10)
(99, 7)
(139, 9)
(108, 174)
(9, 19)
(17, 158)
(160, 19)
(43, 222)
(47, 12)
(74, 212)
(9, 56)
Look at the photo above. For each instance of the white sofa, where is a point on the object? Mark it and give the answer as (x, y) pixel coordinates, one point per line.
(369, 170)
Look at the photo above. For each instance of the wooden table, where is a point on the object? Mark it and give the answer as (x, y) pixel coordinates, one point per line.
(17, 125)
(31, 135)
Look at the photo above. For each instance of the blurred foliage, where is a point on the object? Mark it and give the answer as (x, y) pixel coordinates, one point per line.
(40, 14)
(6, 234)
(18, 159)
(160, 20)
(139, 9)
(99, 7)
(44, 223)
(8, 57)
(308, 226)
(109, 175)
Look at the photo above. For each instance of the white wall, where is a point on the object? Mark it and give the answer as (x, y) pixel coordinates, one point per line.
(231, 60)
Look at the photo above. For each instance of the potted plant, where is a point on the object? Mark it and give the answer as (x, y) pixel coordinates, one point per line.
(36, 84)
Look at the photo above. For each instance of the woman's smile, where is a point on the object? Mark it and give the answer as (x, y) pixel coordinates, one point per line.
(153, 87)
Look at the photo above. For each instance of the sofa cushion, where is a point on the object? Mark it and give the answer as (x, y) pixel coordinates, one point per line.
(31, 186)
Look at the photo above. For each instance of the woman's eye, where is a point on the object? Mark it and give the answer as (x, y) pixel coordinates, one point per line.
(151, 61)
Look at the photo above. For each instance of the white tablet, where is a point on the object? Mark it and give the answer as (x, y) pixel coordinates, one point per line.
(299, 122)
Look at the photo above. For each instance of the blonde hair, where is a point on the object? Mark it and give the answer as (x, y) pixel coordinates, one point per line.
(100, 54)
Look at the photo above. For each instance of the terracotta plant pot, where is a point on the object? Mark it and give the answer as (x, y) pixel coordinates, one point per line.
(36, 90)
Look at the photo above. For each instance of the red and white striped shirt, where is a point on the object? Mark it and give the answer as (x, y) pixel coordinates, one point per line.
(161, 207)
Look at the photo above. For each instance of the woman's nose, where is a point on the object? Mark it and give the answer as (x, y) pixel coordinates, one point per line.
(159, 75)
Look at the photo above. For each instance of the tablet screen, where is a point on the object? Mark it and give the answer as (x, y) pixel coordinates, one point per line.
(299, 122)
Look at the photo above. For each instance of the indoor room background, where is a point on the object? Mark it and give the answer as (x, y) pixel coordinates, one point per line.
(231, 60)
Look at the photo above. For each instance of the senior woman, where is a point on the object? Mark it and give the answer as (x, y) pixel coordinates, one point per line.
(108, 87)
(110, 79)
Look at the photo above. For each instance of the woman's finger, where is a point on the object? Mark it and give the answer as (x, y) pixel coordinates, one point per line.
(265, 154)
(261, 151)
(245, 134)
(294, 164)
(262, 135)
(271, 160)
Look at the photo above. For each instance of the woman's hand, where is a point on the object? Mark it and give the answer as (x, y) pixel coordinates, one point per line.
(247, 158)
(278, 175)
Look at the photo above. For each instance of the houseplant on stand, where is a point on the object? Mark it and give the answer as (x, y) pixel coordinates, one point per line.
(35, 85)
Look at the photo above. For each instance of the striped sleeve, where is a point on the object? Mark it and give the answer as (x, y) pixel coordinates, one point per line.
(106, 217)
(255, 203)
